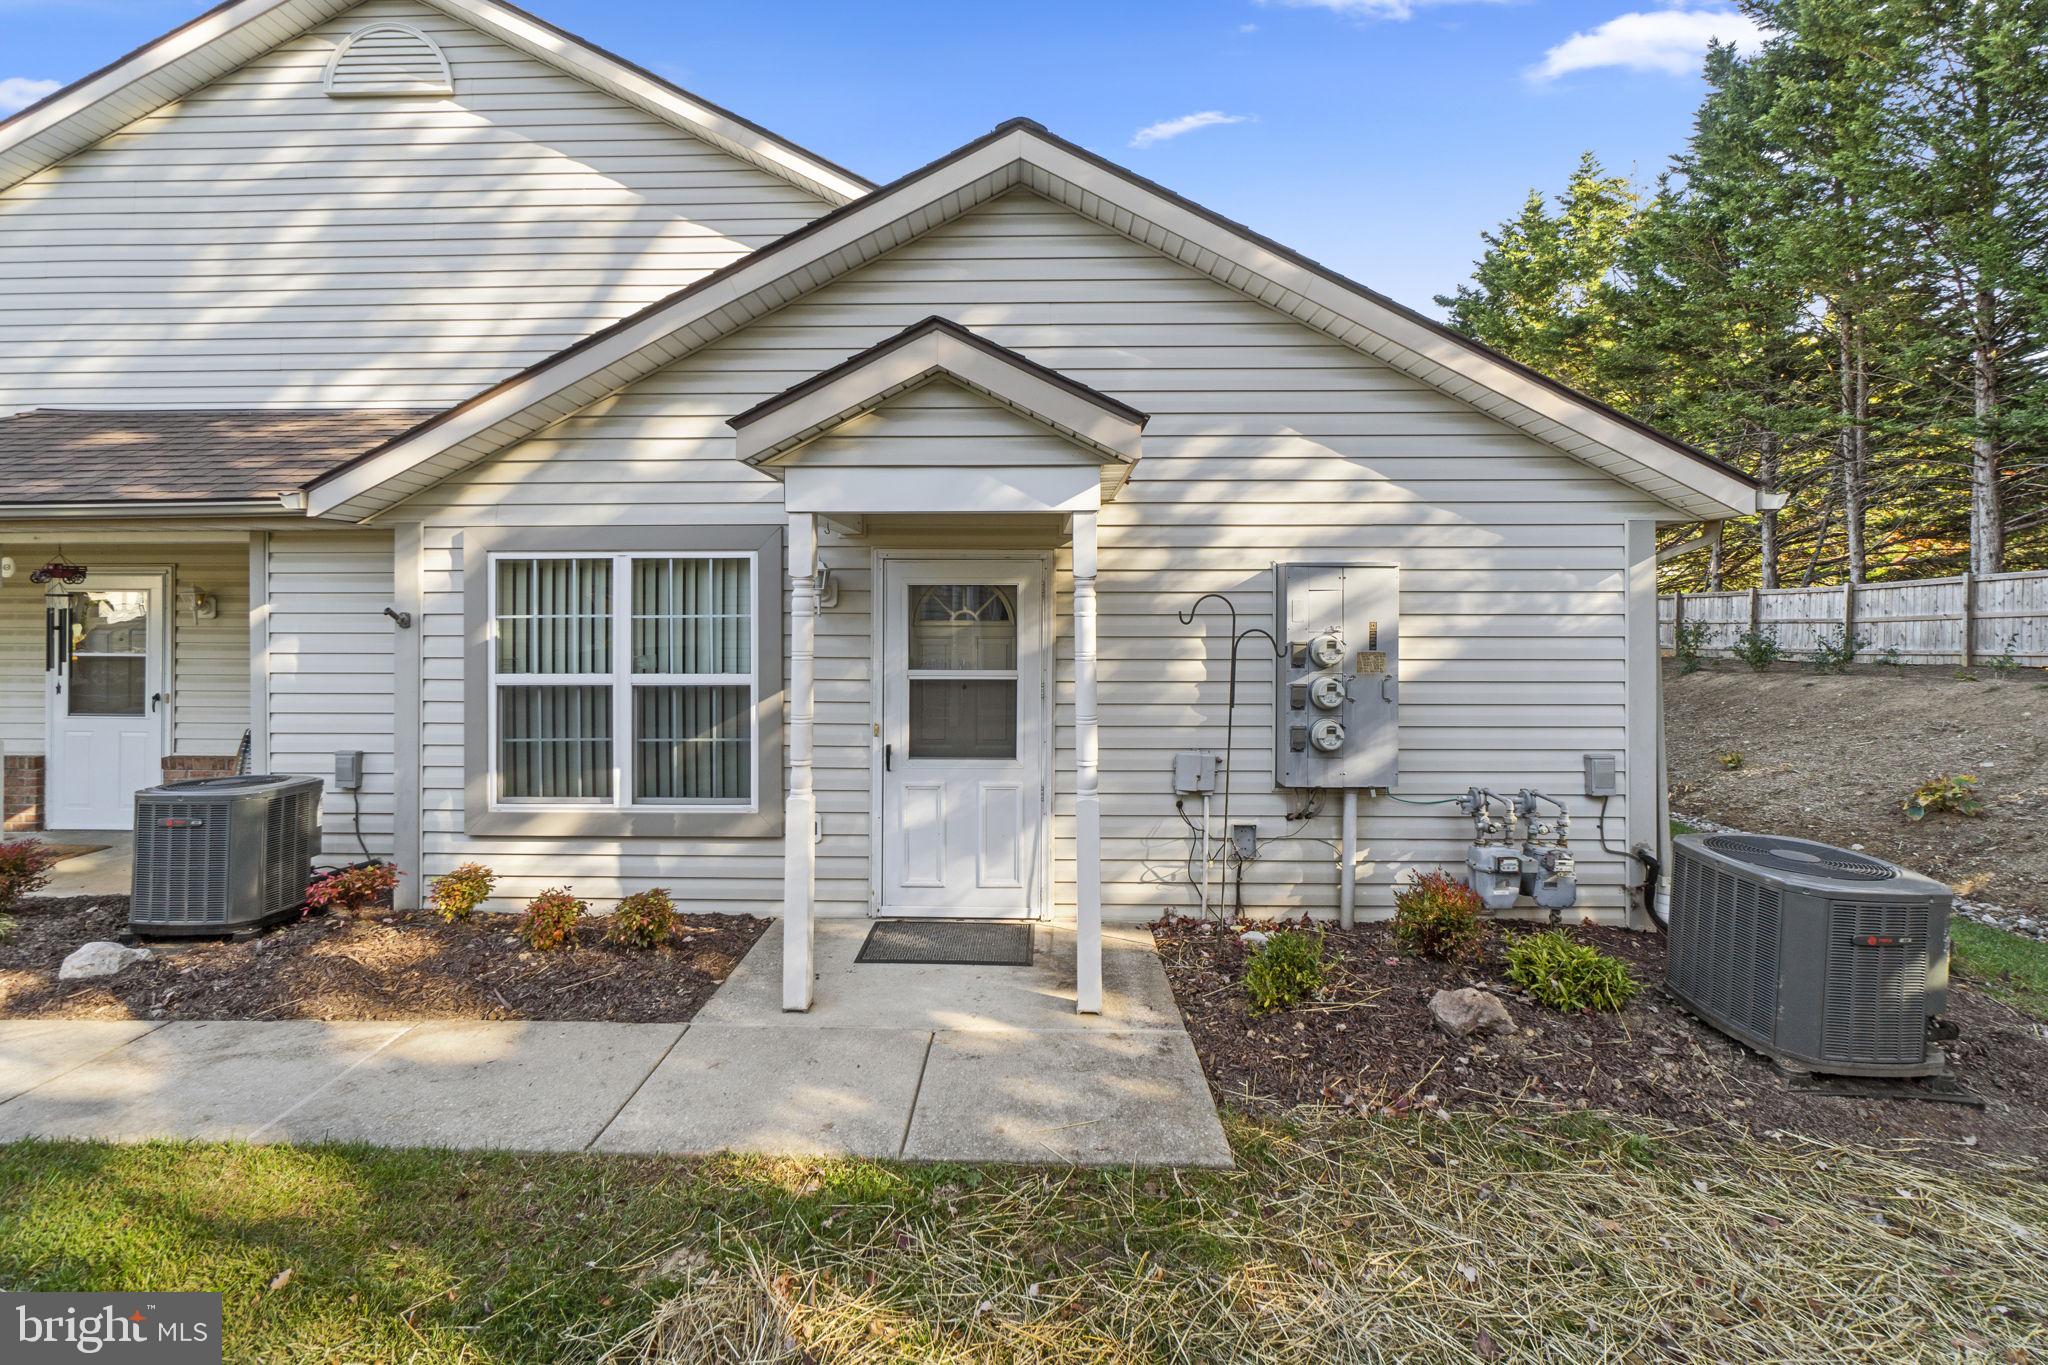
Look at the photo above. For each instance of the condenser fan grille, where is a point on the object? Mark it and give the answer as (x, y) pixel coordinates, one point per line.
(1802, 856)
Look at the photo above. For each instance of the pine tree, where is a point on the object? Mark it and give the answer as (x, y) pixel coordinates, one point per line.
(1541, 291)
(1966, 140)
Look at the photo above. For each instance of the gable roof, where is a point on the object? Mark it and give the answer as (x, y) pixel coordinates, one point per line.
(72, 458)
(238, 31)
(938, 347)
(1023, 154)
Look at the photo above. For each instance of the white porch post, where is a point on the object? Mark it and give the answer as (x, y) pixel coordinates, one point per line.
(1087, 779)
(799, 835)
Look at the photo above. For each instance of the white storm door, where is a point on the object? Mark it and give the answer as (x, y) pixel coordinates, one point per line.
(107, 704)
(963, 740)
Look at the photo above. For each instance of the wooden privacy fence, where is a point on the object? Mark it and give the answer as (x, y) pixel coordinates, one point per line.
(1962, 620)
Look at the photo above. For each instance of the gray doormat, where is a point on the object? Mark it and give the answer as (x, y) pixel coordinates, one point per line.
(949, 942)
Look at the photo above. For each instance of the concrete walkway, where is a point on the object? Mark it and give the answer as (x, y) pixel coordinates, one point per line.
(106, 871)
(924, 1063)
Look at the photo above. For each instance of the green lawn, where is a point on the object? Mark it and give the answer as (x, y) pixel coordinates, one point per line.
(1337, 1239)
(2012, 968)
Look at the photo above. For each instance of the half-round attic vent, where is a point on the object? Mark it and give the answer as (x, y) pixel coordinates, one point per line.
(387, 59)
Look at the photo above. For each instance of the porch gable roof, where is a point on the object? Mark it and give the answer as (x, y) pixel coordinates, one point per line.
(770, 433)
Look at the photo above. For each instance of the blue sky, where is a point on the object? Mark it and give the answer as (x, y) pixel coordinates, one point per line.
(1379, 136)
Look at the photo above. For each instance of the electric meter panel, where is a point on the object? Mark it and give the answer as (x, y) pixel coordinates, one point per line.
(1338, 692)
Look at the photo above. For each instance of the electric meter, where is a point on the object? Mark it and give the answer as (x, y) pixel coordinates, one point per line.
(1337, 676)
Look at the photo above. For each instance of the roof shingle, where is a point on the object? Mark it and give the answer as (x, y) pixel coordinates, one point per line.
(59, 455)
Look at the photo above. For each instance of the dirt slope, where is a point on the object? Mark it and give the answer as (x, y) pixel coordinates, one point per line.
(1831, 757)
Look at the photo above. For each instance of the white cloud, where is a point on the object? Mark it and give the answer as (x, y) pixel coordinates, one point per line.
(1665, 40)
(19, 92)
(1378, 9)
(1186, 123)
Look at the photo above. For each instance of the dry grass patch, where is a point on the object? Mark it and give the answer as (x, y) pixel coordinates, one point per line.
(1438, 1239)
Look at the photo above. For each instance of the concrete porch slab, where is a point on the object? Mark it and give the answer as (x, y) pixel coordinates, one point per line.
(1093, 1099)
(33, 1051)
(1135, 992)
(838, 1092)
(531, 1087)
(194, 1080)
(107, 871)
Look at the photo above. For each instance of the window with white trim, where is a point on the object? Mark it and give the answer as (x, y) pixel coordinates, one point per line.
(624, 681)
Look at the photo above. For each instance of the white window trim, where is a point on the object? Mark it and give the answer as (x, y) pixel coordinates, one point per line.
(622, 681)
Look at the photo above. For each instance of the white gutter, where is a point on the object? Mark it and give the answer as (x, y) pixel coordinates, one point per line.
(29, 511)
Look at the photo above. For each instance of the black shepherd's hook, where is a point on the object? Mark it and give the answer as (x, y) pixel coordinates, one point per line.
(1237, 637)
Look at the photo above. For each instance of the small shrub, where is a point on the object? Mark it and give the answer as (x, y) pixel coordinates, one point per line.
(1965, 675)
(1690, 645)
(1436, 915)
(1567, 975)
(1286, 970)
(550, 920)
(456, 895)
(2006, 664)
(352, 888)
(645, 919)
(1759, 648)
(1836, 651)
(1731, 760)
(7, 927)
(1890, 657)
(24, 867)
(1956, 792)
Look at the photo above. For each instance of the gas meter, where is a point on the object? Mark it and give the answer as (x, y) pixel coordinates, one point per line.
(1339, 629)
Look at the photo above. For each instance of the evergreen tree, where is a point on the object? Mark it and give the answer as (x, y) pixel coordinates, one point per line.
(1541, 292)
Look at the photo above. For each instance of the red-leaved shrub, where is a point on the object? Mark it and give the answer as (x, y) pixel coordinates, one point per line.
(456, 895)
(645, 919)
(550, 920)
(1436, 915)
(24, 867)
(352, 888)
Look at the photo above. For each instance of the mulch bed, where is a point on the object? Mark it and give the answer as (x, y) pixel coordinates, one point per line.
(1368, 1042)
(367, 965)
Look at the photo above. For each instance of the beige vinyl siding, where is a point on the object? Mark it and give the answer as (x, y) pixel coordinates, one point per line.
(209, 658)
(259, 243)
(332, 681)
(1266, 441)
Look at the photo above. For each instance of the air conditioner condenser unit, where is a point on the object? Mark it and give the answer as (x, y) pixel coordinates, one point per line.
(1822, 958)
(222, 855)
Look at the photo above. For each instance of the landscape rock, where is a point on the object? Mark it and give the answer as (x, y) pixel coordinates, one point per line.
(1253, 939)
(102, 958)
(1469, 1010)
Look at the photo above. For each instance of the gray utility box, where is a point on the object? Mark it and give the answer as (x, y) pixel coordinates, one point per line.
(222, 855)
(1338, 702)
(1821, 958)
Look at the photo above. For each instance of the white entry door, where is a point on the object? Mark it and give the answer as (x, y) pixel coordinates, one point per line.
(964, 735)
(107, 703)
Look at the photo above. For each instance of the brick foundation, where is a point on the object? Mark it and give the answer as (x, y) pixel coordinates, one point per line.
(180, 767)
(21, 792)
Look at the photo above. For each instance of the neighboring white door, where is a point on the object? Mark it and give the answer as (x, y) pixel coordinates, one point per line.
(964, 737)
(107, 705)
